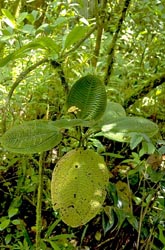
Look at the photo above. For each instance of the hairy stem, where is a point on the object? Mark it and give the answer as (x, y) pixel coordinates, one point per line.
(39, 202)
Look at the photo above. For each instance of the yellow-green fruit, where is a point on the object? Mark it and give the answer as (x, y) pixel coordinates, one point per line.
(78, 186)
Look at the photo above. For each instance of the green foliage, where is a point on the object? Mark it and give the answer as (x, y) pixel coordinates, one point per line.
(44, 43)
(75, 35)
(46, 46)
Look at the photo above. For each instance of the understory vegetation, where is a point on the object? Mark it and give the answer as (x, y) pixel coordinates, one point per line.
(82, 127)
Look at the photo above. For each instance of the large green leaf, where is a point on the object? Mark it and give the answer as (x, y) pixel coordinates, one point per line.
(78, 186)
(123, 128)
(31, 137)
(44, 43)
(88, 95)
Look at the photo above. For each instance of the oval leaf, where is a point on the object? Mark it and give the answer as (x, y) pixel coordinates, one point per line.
(78, 186)
(136, 138)
(123, 128)
(31, 137)
(127, 125)
(4, 224)
(132, 124)
(77, 33)
(88, 95)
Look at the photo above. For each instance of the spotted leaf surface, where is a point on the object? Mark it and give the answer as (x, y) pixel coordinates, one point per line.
(78, 186)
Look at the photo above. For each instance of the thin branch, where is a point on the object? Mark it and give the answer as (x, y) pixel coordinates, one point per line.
(61, 74)
(145, 210)
(23, 75)
(101, 17)
(112, 46)
(15, 84)
(150, 85)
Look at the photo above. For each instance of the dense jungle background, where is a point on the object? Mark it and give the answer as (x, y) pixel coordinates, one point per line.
(45, 47)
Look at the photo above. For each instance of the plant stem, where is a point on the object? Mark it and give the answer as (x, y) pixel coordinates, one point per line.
(23, 75)
(100, 18)
(112, 46)
(145, 210)
(13, 87)
(148, 86)
(39, 203)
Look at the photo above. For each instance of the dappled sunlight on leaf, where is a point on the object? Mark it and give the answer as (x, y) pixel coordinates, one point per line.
(79, 195)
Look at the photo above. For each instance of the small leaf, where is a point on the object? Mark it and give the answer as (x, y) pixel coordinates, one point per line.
(135, 140)
(96, 143)
(98, 236)
(133, 221)
(16, 222)
(124, 196)
(75, 35)
(113, 155)
(4, 224)
(22, 17)
(31, 137)
(12, 211)
(124, 205)
(28, 29)
(10, 20)
(53, 244)
(108, 221)
(62, 236)
(151, 148)
(147, 148)
(8, 238)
